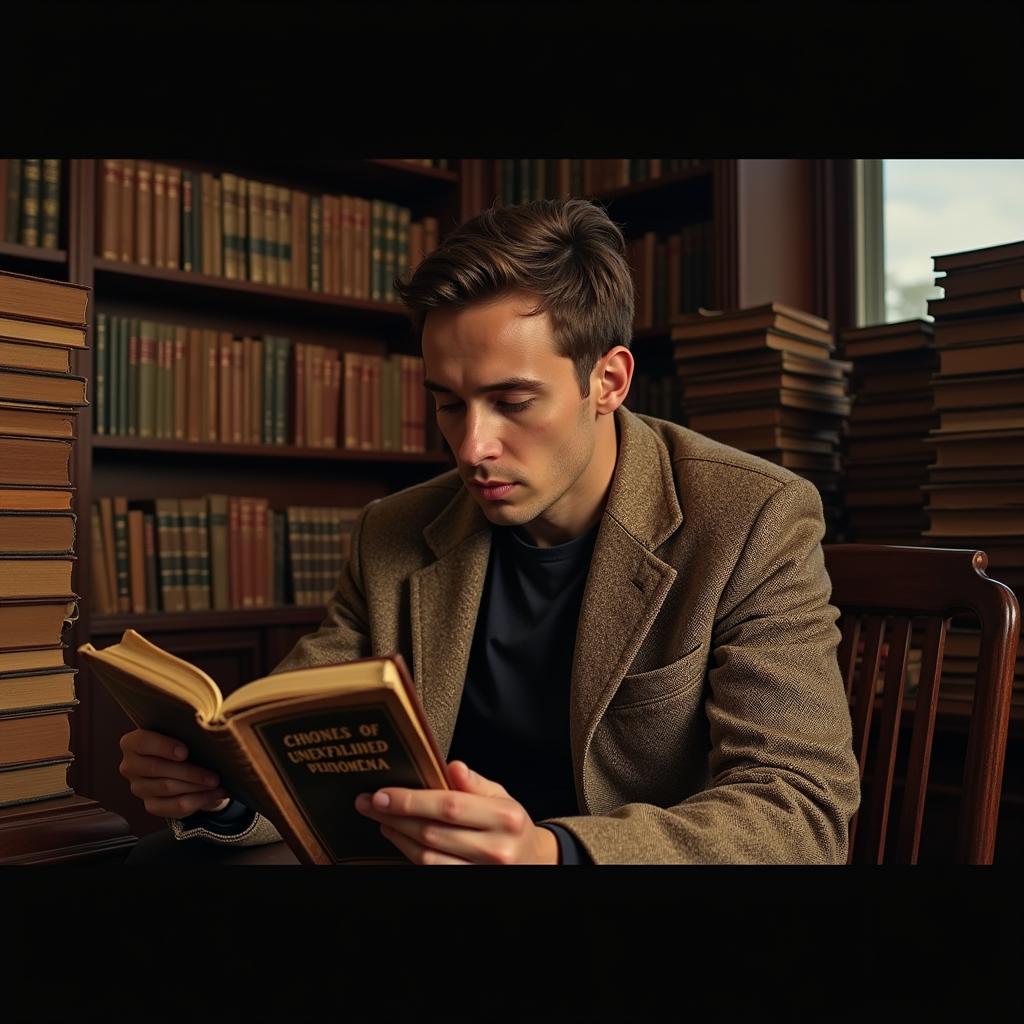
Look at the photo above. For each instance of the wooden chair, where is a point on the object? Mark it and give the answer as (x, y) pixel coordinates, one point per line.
(879, 590)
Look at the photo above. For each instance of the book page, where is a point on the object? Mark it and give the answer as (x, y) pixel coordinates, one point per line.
(350, 677)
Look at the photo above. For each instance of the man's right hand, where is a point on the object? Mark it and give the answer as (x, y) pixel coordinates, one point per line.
(162, 778)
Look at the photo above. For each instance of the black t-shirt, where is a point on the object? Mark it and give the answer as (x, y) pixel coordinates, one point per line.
(513, 723)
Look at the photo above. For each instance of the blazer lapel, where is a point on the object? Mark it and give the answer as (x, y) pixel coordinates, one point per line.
(444, 601)
(627, 583)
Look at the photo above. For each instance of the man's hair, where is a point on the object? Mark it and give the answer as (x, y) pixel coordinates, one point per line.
(568, 252)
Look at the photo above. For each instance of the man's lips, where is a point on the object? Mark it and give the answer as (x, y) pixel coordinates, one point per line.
(493, 488)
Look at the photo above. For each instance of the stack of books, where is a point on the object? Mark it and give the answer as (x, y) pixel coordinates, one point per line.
(217, 552)
(40, 323)
(976, 486)
(886, 454)
(764, 379)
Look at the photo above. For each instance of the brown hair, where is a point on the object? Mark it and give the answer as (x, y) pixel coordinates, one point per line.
(566, 251)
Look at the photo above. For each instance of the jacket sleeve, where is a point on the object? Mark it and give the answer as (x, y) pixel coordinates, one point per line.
(784, 782)
(343, 635)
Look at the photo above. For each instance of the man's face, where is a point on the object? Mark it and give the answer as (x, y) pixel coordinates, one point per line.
(511, 409)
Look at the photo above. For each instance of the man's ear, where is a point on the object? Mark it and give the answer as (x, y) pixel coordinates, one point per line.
(611, 379)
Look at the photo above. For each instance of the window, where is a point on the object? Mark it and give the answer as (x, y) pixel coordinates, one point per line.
(911, 210)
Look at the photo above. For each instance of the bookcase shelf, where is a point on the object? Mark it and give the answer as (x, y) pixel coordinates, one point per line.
(155, 446)
(656, 185)
(115, 279)
(32, 254)
(234, 618)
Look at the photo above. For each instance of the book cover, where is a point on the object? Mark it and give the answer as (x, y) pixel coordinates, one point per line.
(297, 746)
(31, 171)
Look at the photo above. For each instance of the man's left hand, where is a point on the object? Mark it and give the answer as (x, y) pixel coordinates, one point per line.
(476, 822)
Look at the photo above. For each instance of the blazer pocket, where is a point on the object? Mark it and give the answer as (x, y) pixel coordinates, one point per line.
(661, 683)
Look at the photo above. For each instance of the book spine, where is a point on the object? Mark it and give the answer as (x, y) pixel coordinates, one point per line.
(315, 279)
(132, 412)
(347, 247)
(211, 386)
(284, 236)
(234, 553)
(377, 250)
(220, 564)
(299, 390)
(100, 583)
(50, 204)
(390, 252)
(327, 243)
(270, 247)
(31, 173)
(229, 215)
(136, 560)
(121, 554)
(126, 227)
(172, 219)
(224, 347)
(194, 388)
(259, 549)
(187, 225)
(255, 210)
(206, 222)
(159, 220)
(99, 421)
(216, 230)
(258, 393)
(295, 210)
(350, 402)
(279, 560)
(245, 529)
(281, 390)
(144, 213)
(238, 392)
(152, 572)
(145, 418)
(181, 381)
(119, 373)
(269, 389)
(246, 390)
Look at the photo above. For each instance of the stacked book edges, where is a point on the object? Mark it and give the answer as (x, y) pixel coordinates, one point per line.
(975, 489)
(173, 382)
(886, 454)
(765, 380)
(167, 217)
(41, 322)
(214, 552)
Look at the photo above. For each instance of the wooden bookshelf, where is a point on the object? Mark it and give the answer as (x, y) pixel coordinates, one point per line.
(17, 253)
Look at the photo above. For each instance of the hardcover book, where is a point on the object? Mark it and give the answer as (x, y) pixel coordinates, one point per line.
(297, 746)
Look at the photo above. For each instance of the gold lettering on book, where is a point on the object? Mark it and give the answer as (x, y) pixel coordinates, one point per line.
(337, 751)
(304, 739)
(373, 764)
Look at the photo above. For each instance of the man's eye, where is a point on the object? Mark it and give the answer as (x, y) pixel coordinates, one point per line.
(515, 406)
(449, 407)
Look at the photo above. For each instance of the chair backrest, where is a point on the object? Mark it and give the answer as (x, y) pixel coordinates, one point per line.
(880, 590)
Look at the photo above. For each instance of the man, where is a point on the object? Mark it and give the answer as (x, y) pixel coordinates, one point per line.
(619, 628)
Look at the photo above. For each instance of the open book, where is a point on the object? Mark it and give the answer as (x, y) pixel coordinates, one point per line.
(298, 746)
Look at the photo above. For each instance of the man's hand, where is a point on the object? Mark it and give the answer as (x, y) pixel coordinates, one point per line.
(476, 823)
(167, 784)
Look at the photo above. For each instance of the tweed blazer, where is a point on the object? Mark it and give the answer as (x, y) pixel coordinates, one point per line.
(708, 721)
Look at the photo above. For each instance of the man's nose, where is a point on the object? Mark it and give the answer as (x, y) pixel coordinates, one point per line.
(480, 441)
